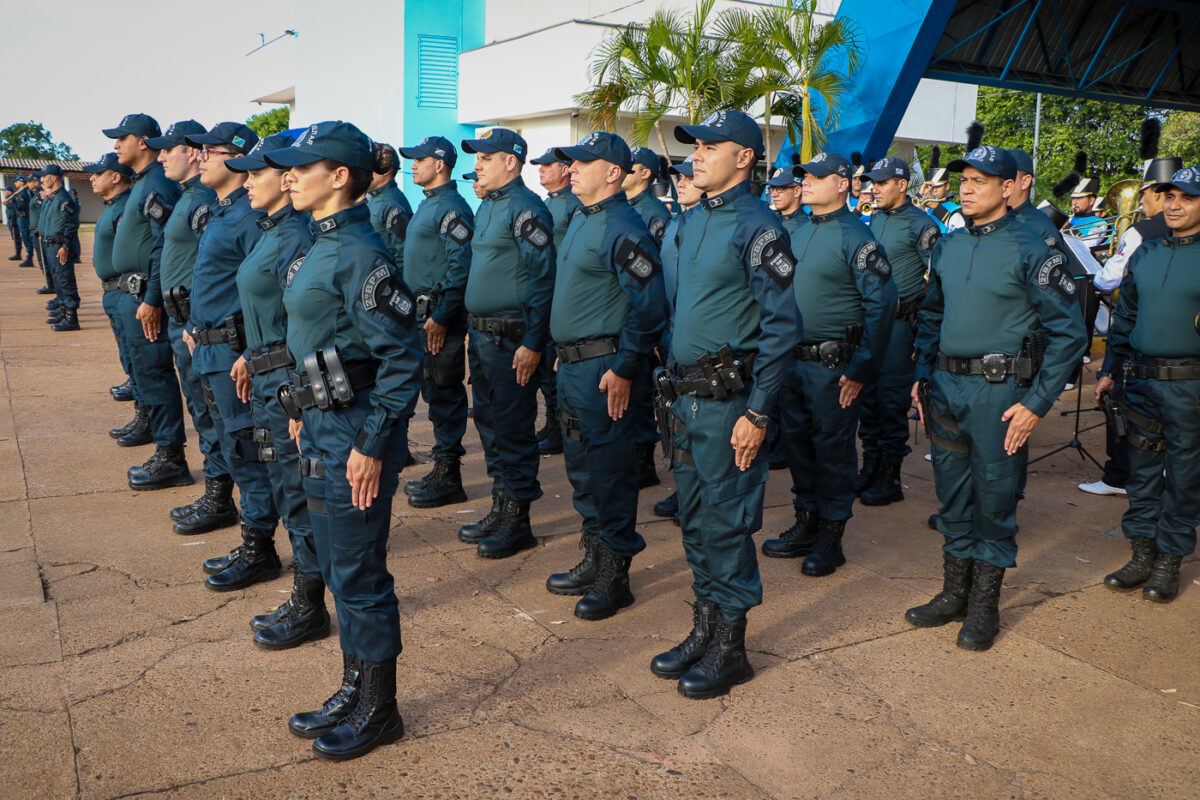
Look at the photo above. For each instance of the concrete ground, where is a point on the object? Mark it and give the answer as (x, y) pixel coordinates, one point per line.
(122, 676)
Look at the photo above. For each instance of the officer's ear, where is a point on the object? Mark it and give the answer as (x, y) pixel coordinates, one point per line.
(142, 143)
(745, 157)
(512, 163)
(843, 185)
(903, 185)
(1007, 187)
(616, 175)
(193, 155)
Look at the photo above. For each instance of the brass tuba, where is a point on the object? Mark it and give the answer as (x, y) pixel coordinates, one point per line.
(1123, 199)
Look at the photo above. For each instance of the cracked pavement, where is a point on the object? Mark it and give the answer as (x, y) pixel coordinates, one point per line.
(121, 676)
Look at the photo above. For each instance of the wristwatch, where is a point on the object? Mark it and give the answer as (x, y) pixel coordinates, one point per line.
(758, 420)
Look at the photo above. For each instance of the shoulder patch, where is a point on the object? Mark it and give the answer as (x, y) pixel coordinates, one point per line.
(658, 227)
(869, 258)
(636, 260)
(154, 209)
(929, 237)
(200, 218)
(293, 268)
(384, 295)
(455, 227)
(396, 222)
(1053, 273)
(67, 207)
(528, 227)
(769, 254)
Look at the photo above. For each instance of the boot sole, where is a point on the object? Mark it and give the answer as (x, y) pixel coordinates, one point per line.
(976, 647)
(472, 538)
(310, 636)
(213, 526)
(711, 693)
(769, 554)
(1124, 588)
(934, 623)
(386, 737)
(233, 587)
(672, 675)
(180, 481)
(449, 500)
(611, 611)
(821, 573)
(122, 442)
(581, 591)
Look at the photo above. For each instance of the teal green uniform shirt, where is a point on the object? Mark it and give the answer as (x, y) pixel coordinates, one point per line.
(138, 244)
(843, 277)
(1163, 277)
(390, 215)
(992, 285)
(106, 231)
(563, 205)
(437, 251)
(285, 239)
(609, 283)
(733, 285)
(181, 234)
(512, 260)
(59, 224)
(35, 210)
(654, 212)
(907, 236)
(347, 293)
(792, 223)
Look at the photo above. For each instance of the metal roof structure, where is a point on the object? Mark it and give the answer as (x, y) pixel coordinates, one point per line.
(1131, 51)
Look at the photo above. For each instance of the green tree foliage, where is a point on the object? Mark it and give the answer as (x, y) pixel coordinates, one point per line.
(1181, 137)
(32, 140)
(270, 122)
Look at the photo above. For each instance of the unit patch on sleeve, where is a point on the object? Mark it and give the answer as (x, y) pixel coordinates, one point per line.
(385, 295)
(635, 260)
(397, 223)
(528, 227)
(769, 254)
(1053, 273)
(200, 219)
(929, 238)
(154, 209)
(456, 228)
(869, 258)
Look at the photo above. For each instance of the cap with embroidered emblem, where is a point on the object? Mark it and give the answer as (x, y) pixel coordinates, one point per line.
(52, 169)
(230, 134)
(647, 158)
(825, 164)
(724, 126)
(548, 157)
(988, 159)
(106, 162)
(783, 177)
(684, 168)
(176, 134)
(887, 168)
(432, 147)
(134, 125)
(256, 159)
(340, 142)
(599, 146)
(497, 140)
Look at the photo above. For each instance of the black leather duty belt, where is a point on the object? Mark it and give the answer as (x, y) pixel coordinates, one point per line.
(1164, 369)
(575, 352)
(111, 285)
(268, 359)
(831, 354)
(133, 283)
(328, 383)
(692, 382)
(231, 332)
(511, 328)
(996, 367)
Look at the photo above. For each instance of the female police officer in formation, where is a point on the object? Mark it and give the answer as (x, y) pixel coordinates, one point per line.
(259, 373)
(351, 332)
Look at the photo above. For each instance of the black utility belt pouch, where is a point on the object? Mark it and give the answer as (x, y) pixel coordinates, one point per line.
(1148, 368)
(311, 467)
(268, 359)
(133, 283)
(426, 303)
(265, 440)
(328, 383)
(231, 332)
(111, 285)
(718, 375)
(1114, 413)
(575, 352)
(177, 304)
(511, 328)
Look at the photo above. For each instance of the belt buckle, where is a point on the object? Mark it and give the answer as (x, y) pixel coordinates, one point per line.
(995, 367)
(135, 284)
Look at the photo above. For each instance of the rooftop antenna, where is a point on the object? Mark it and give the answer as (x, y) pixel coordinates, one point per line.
(289, 32)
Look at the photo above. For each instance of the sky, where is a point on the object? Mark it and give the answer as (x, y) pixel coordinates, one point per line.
(79, 65)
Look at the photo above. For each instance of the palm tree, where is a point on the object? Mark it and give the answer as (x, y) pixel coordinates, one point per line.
(784, 55)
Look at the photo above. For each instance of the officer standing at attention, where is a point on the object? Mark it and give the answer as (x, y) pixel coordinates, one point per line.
(998, 297)
(608, 313)
(390, 211)
(11, 221)
(137, 250)
(785, 199)
(907, 235)
(181, 163)
(260, 370)
(439, 241)
(35, 211)
(846, 297)
(1159, 353)
(562, 203)
(647, 168)
(350, 317)
(216, 333)
(59, 228)
(733, 313)
(508, 294)
(18, 207)
(473, 177)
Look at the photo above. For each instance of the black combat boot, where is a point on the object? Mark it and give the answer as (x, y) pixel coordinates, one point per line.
(55, 315)
(610, 592)
(511, 534)
(215, 509)
(28, 262)
(122, 392)
(950, 603)
(643, 458)
(443, 487)
(550, 436)
(798, 540)
(311, 724)
(44, 290)
(723, 666)
(412, 486)
(826, 555)
(1163, 584)
(218, 564)
(1137, 571)
(375, 719)
(257, 562)
(871, 459)
(668, 507)
(983, 607)
(141, 417)
(582, 575)
(683, 656)
(68, 322)
(886, 488)
(305, 620)
(53, 304)
(139, 434)
(165, 469)
(211, 485)
(476, 532)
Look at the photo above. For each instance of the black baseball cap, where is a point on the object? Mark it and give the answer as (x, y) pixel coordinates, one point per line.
(599, 146)
(142, 125)
(107, 162)
(548, 157)
(647, 158)
(825, 164)
(176, 134)
(52, 169)
(988, 159)
(724, 126)
(1023, 160)
(783, 177)
(497, 140)
(233, 134)
(683, 168)
(887, 168)
(471, 176)
(1186, 180)
(255, 158)
(432, 147)
(340, 142)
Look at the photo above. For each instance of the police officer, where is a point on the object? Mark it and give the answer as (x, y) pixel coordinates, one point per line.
(259, 372)
(390, 210)
(216, 334)
(137, 248)
(18, 206)
(439, 240)
(1159, 352)
(785, 189)
(508, 293)
(350, 316)
(647, 168)
(998, 296)
(59, 229)
(554, 177)
(35, 213)
(856, 182)
(181, 163)
(733, 312)
(907, 236)
(10, 219)
(476, 190)
(608, 313)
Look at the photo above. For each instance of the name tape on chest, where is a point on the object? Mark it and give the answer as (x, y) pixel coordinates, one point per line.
(293, 268)
(528, 227)
(1053, 273)
(396, 222)
(869, 258)
(154, 208)
(635, 260)
(455, 228)
(200, 218)
(770, 255)
(385, 295)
